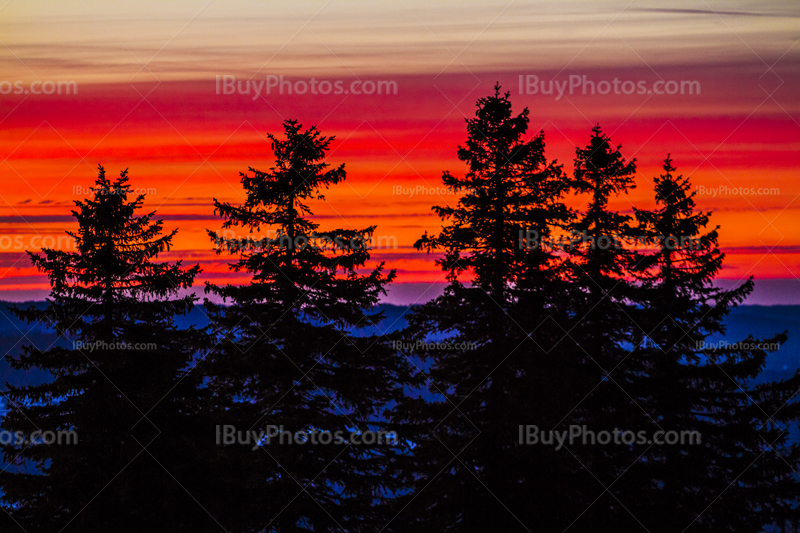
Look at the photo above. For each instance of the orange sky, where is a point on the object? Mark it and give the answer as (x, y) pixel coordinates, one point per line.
(147, 100)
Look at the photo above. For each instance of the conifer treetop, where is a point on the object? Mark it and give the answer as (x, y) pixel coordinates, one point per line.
(509, 187)
(115, 250)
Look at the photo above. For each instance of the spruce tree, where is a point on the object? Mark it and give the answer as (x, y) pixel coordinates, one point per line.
(119, 381)
(290, 354)
(601, 261)
(471, 472)
(738, 471)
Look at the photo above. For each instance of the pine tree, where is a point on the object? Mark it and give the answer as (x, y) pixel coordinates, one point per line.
(740, 476)
(119, 381)
(601, 261)
(290, 355)
(471, 471)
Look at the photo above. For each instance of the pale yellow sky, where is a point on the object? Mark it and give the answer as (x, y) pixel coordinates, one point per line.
(94, 40)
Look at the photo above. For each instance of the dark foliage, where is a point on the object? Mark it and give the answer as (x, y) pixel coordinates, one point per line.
(288, 357)
(553, 317)
(125, 391)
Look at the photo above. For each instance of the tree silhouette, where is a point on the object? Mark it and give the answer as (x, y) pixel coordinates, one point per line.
(288, 356)
(123, 391)
(600, 330)
(741, 477)
(552, 317)
(470, 469)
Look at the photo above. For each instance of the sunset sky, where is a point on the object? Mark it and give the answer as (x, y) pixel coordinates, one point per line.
(151, 80)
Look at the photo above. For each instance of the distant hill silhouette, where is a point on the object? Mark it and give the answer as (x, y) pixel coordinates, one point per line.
(759, 320)
(14, 334)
